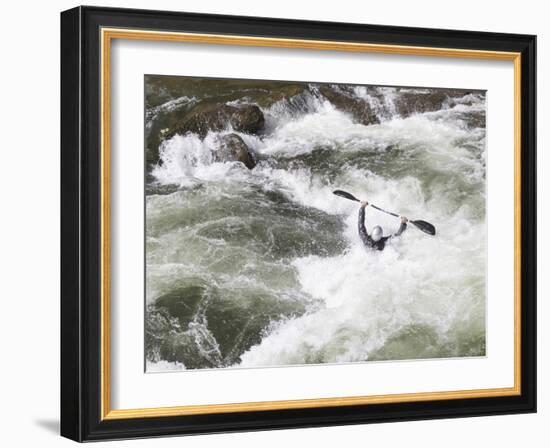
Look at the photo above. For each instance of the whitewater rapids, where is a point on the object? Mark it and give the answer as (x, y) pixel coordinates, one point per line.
(264, 267)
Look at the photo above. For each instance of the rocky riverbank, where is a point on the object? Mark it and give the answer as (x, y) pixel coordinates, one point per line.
(180, 106)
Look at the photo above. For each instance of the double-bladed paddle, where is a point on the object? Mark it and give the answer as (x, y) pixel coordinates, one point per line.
(426, 227)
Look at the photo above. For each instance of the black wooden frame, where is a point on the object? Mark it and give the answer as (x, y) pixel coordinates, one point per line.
(80, 223)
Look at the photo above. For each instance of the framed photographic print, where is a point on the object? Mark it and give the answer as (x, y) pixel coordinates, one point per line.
(275, 224)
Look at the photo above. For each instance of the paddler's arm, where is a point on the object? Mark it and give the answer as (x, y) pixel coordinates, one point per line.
(402, 227)
(361, 224)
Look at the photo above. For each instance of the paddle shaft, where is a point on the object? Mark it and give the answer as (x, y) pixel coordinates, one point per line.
(385, 211)
(345, 194)
(424, 226)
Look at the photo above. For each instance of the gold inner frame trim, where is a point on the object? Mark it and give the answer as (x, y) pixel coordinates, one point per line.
(107, 35)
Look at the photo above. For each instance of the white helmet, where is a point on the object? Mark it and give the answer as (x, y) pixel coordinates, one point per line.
(376, 233)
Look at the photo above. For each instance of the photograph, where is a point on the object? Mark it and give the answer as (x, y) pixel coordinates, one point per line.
(292, 223)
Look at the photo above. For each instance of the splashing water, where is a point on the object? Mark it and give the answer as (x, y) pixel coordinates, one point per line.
(264, 267)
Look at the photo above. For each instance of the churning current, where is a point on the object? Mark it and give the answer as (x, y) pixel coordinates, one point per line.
(251, 261)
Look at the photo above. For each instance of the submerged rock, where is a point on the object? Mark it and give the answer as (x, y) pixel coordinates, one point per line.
(475, 119)
(349, 103)
(206, 117)
(233, 148)
(158, 124)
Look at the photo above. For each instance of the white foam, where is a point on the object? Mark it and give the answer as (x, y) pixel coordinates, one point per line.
(163, 366)
(187, 158)
(169, 106)
(371, 295)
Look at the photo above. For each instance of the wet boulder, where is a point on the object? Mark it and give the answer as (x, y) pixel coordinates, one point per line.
(232, 148)
(206, 117)
(248, 118)
(346, 102)
(279, 92)
(409, 102)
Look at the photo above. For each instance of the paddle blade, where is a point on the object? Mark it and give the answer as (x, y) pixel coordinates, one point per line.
(426, 227)
(346, 195)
